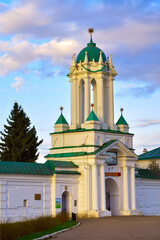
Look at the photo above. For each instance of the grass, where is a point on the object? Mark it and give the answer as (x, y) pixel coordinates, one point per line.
(40, 226)
(65, 225)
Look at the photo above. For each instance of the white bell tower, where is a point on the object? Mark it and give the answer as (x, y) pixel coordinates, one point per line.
(92, 71)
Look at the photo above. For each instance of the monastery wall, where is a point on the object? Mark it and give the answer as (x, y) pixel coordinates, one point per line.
(148, 196)
(24, 196)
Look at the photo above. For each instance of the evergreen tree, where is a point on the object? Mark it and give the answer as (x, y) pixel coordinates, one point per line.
(19, 142)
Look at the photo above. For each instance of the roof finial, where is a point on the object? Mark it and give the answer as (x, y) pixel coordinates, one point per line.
(92, 106)
(121, 111)
(90, 30)
(61, 108)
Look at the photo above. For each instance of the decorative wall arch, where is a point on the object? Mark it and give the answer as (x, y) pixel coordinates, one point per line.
(66, 202)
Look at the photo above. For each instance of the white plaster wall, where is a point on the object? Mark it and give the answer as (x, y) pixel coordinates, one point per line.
(87, 138)
(148, 196)
(17, 188)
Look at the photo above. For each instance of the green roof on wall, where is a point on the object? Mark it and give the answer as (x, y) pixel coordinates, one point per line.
(153, 154)
(148, 173)
(47, 168)
(24, 168)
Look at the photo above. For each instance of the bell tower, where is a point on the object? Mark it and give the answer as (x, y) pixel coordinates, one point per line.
(91, 77)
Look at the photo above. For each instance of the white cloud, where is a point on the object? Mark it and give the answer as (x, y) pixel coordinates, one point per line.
(20, 17)
(131, 34)
(147, 122)
(18, 54)
(146, 140)
(18, 84)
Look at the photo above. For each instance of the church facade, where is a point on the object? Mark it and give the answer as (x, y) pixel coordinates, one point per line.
(90, 168)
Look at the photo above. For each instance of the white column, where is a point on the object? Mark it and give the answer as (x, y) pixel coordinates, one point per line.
(125, 188)
(74, 101)
(53, 197)
(132, 188)
(101, 99)
(87, 99)
(102, 185)
(111, 102)
(94, 188)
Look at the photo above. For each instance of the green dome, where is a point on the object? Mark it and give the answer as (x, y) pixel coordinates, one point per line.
(92, 52)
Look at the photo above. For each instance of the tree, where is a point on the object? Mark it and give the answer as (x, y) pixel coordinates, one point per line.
(19, 142)
(153, 165)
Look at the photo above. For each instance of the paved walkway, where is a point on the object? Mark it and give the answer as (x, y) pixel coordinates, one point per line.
(115, 228)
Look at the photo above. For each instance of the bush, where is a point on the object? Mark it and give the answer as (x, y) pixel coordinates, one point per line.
(13, 231)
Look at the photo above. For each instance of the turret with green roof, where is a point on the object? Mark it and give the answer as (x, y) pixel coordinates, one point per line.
(61, 124)
(92, 117)
(92, 121)
(122, 125)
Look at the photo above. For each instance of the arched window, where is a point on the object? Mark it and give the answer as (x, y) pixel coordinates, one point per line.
(94, 94)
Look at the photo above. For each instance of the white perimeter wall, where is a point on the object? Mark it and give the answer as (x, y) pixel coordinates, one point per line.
(14, 189)
(148, 196)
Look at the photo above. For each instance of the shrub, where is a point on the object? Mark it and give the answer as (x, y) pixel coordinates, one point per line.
(13, 231)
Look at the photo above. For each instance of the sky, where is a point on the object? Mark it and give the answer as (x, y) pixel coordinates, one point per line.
(38, 38)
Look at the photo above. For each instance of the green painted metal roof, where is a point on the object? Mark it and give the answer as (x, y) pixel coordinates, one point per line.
(77, 154)
(153, 154)
(105, 145)
(148, 173)
(24, 168)
(61, 120)
(70, 154)
(121, 121)
(92, 117)
(99, 130)
(61, 164)
(78, 146)
(67, 172)
(48, 168)
(92, 52)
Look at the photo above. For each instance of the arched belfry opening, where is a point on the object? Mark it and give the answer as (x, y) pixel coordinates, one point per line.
(81, 101)
(93, 91)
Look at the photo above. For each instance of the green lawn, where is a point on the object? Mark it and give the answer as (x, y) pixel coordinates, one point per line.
(65, 225)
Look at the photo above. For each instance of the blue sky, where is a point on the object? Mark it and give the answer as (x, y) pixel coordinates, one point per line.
(38, 38)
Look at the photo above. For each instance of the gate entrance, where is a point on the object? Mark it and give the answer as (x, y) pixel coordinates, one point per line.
(112, 196)
(65, 202)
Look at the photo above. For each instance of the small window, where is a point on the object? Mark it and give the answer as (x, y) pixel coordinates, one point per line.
(25, 203)
(37, 196)
(75, 203)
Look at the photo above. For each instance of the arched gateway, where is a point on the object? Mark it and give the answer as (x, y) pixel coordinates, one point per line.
(112, 196)
(66, 202)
